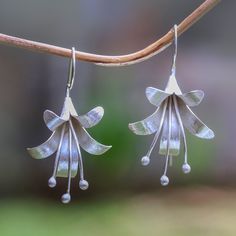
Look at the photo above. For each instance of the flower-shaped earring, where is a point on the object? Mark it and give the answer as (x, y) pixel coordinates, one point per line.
(172, 114)
(68, 136)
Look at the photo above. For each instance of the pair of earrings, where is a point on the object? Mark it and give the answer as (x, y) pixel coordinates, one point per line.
(169, 119)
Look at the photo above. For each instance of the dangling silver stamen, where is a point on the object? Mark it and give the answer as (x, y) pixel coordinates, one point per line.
(186, 167)
(164, 179)
(66, 197)
(52, 181)
(170, 129)
(146, 159)
(83, 184)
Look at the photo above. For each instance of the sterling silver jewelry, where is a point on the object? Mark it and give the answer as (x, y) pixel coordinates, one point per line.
(69, 134)
(170, 118)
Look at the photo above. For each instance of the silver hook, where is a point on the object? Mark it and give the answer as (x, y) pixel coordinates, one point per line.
(71, 76)
(176, 46)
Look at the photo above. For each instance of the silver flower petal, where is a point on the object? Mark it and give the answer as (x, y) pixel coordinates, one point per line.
(156, 96)
(64, 158)
(149, 125)
(192, 98)
(52, 120)
(92, 118)
(193, 123)
(47, 148)
(174, 144)
(89, 144)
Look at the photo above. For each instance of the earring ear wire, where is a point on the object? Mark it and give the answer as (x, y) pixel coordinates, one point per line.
(71, 75)
(173, 70)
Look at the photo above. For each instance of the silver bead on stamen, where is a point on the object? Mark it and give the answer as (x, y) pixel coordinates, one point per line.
(65, 198)
(186, 168)
(83, 184)
(164, 180)
(145, 160)
(52, 182)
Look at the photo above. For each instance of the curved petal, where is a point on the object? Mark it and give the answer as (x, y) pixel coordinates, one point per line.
(63, 165)
(193, 123)
(89, 144)
(192, 98)
(149, 125)
(156, 96)
(47, 148)
(52, 120)
(174, 144)
(91, 118)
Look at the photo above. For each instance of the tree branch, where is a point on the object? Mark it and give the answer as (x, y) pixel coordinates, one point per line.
(121, 60)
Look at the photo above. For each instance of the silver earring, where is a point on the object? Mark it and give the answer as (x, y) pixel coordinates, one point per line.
(170, 118)
(69, 134)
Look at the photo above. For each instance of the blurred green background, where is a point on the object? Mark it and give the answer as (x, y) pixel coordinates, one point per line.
(124, 198)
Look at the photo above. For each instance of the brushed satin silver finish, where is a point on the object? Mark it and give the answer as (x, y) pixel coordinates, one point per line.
(52, 120)
(192, 98)
(89, 144)
(69, 134)
(177, 115)
(149, 125)
(67, 138)
(68, 150)
(174, 141)
(159, 129)
(47, 148)
(92, 118)
(194, 125)
(155, 96)
(170, 118)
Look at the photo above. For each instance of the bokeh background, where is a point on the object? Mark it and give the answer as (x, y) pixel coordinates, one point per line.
(124, 198)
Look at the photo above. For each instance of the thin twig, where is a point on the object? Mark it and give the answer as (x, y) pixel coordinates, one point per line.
(104, 60)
